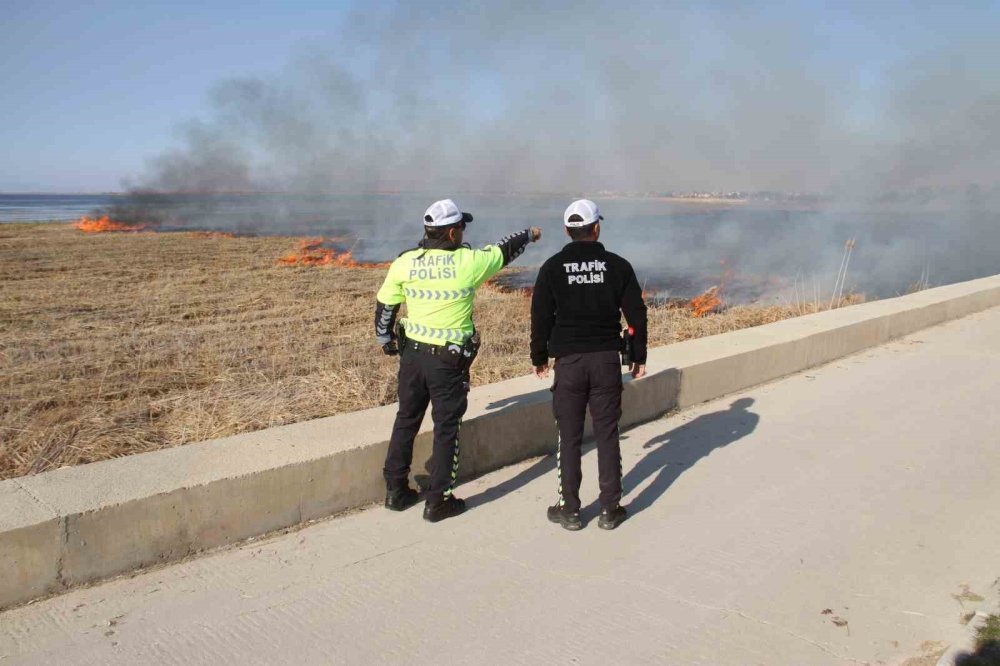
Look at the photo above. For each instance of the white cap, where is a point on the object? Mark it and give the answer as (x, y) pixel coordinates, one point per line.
(444, 213)
(586, 209)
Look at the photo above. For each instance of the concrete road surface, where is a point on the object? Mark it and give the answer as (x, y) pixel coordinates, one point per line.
(843, 515)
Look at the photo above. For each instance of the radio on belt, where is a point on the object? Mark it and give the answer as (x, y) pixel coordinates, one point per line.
(628, 346)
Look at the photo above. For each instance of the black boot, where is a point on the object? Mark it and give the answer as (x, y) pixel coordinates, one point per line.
(570, 520)
(612, 518)
(446, 508)
(401, 499)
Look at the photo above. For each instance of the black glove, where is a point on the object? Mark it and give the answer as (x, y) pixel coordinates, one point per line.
(390, 348)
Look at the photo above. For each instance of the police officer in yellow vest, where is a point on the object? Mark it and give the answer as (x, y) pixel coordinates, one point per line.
(437, 342)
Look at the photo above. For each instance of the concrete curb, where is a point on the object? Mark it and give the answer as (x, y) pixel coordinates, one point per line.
(77, 525)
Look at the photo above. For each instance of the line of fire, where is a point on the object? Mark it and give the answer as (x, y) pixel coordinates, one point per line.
(339, 253)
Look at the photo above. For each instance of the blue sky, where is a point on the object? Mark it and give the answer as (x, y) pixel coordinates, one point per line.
(92, 91)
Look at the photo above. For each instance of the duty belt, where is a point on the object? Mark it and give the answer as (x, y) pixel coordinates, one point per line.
(457, 354)
(424, 348)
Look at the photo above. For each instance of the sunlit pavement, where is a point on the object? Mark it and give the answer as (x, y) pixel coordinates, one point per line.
(831, 517)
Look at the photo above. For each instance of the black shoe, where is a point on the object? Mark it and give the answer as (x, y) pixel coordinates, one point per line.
(612, 518)
(570, 520)
(446, 508)
(401, 499)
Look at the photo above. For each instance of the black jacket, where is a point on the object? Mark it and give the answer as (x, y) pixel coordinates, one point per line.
(579, 297)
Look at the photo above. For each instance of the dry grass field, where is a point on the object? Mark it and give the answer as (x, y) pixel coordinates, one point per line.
(118, 343)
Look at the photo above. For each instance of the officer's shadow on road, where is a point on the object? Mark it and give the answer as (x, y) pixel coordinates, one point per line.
(541, 467)
(678, 449)
(672, 452)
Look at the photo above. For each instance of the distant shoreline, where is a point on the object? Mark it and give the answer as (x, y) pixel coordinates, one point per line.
(54, 220)
(682, 200)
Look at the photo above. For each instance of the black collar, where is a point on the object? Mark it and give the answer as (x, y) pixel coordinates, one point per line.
(442, 244)
(584, 244)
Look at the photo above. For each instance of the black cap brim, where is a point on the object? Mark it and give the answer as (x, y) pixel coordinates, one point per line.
(466, 218)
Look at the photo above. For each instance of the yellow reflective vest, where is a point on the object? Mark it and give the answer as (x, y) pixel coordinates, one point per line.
(438, 287)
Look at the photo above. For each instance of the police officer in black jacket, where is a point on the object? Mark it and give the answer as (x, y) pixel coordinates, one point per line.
(576, 309)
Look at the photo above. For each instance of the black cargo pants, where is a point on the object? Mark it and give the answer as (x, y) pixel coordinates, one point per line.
(592, 379)
(427, 378)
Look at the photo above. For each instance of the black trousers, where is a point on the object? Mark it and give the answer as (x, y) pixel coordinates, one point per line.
(593, 379)
(425, 378)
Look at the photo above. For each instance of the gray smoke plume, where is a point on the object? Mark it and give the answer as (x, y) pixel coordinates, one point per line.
(589, 96)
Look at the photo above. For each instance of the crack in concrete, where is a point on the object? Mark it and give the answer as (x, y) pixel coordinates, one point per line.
(38, 500)
(378, 555)
(63, 532)
(697, 604)
(61, 562)
(63, 551)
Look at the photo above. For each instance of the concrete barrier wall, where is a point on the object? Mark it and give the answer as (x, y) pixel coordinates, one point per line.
(77, 525)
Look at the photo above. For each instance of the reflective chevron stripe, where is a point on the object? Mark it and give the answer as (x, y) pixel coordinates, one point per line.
(439, 294)
(562, 500)
(443, 334)
(454, 463)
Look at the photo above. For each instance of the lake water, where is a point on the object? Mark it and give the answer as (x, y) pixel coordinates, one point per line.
(24, 207)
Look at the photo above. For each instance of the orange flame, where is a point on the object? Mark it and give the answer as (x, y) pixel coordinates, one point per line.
(711, 300)
(312, 253)
(706, 303)
(104, 224)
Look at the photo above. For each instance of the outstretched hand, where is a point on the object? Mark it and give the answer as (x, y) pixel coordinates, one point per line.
(542, 371)
(536, 233)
